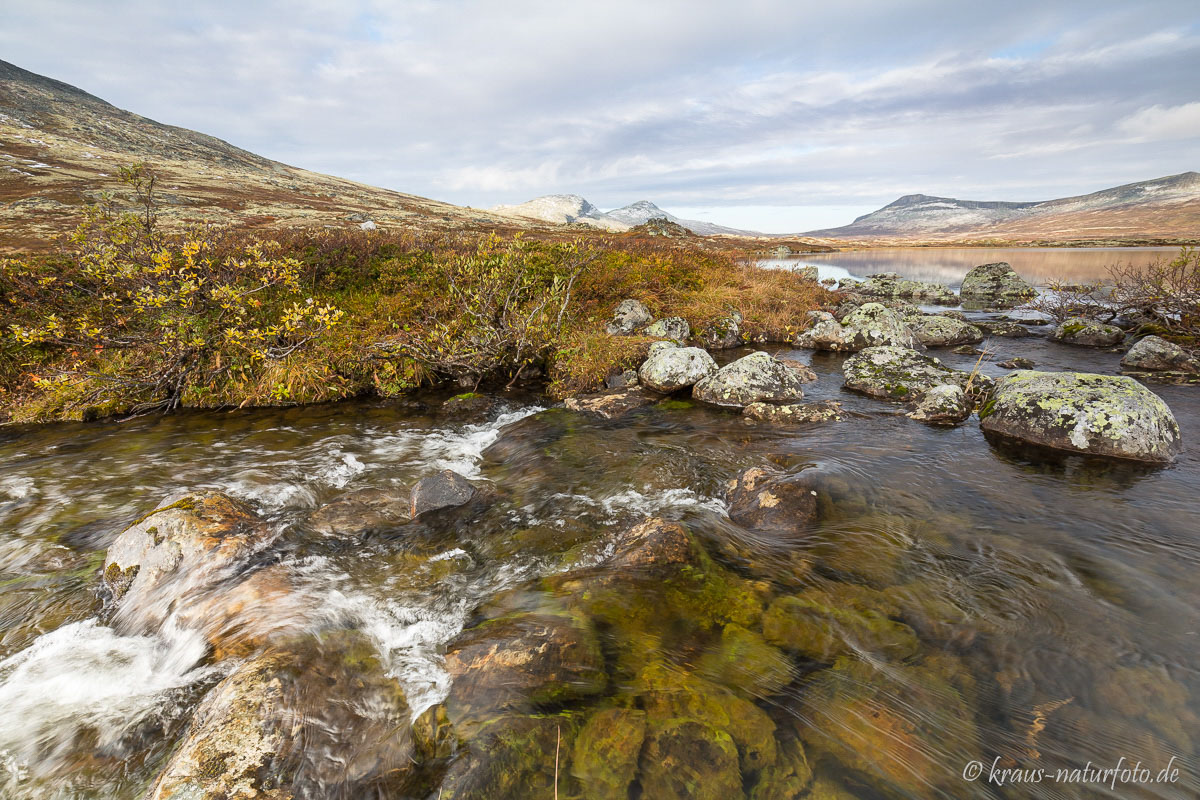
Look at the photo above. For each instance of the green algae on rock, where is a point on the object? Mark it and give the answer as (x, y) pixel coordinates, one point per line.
(1104, 415)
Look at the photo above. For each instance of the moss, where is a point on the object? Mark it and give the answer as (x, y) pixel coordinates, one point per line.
(605, 757)
(821, 626)
(743, 661)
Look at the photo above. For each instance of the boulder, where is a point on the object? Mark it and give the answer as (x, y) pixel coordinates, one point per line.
(320, 720)
(1087, 333)
(622, 379)
(768, 500)
(469, 407)
(653, 543)
(947, 403)
(630, 317)
(889, 285)
(605, 757)
(613, 404)
(175, 556)
(1009, 330)
(996, 283)
(688, 760)
(447, 489)
(823, 627)
(723, 334)
(1102, 415)
(674, 328)
(938, 331)
(869, 325)
(967, 350)
(1155, 353)
(804, 371)
(1016, 363)
(897, 373)
(756, 378)
(669, 369)
(795, 412)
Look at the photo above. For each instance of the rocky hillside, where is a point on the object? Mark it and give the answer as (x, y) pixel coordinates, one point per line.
(60, 147)
(1163, 209)
(565, 209)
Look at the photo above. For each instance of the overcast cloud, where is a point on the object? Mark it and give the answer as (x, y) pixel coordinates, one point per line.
(778, 116)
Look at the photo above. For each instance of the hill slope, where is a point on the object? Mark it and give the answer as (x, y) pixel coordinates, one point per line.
(1164, 208)
(60, 147)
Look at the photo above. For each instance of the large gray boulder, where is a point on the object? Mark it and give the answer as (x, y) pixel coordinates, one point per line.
(897, 373)
(945, 404)
(756, 378)
(889, 285)
(669, 369)
(1088, 333)
(676, 329)
(869, 325)
(939, 331)
(1155, 353)
(629, 318)
(996, 284)
(447, 489)
(1104, 415)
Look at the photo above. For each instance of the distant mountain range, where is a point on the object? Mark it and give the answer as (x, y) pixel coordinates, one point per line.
(1166, 208)
(571, 208)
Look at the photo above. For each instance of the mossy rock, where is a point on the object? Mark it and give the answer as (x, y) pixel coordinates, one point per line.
(688, 760)
(513, 758)
(897, 373)
(605, 757)
(819, 626)
(789, 777)
(742, 660)
(870, 549)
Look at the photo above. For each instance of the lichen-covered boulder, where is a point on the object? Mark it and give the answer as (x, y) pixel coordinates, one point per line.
(767, 500)
(869, 325)
(756, 378)
(997, 283)
(1087, 333)
(630, 317)
(723, 333)
(794, 413)
(1005, 328)
(447, 489)
(897, 373)
(1155, 353)
(177, 554)
(319, 720)
(889, 285)
(1104, 415)
(676, 329)
(938, 331)
(669, 369)
(945, 404)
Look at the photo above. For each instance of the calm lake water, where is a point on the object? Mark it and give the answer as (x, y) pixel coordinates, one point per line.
(1038, 265)
(1053, 601)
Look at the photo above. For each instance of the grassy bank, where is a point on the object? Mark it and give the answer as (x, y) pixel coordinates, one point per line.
(130, 320)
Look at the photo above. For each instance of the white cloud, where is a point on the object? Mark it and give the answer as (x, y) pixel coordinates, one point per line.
(1158, 123)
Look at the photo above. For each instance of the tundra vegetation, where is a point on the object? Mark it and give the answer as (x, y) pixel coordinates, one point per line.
(127, 318)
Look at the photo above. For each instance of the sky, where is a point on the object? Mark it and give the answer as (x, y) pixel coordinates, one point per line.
(772, 116)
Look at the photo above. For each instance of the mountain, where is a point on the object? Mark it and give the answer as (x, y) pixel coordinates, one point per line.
(565, 209)
(60, 147)
(1163, 208)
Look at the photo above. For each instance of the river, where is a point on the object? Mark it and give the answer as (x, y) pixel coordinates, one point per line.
(1066, 586)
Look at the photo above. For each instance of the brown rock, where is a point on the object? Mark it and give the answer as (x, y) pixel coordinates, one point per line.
(768, 500)
(612, 404)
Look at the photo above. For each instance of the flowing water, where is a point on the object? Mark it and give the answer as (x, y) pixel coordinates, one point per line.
(1061, 592)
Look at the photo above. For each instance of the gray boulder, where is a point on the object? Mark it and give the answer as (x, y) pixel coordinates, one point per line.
(944, 404)
(997, 284)
(447, 489)
(1104, 415)
(1155, 353)
(869, 325)
(897, 373)
(889, 285)
(1087, 333)
(669, 369)
(938, 331)
(629, 317)
(724, 333)
(1011, 330)
(676, 329)
(756, 378)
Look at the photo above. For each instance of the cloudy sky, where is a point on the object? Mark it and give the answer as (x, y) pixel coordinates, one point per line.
(777, 116)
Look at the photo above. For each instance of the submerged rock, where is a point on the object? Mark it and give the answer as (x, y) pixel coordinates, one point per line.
(892, 285)
(794, 413)
(447, 489)
(469, 406)
(996, 283)
(1101, 415)
(869, 325)
(630, 317)
(822, 626)
(319, 720)
(898, 373)
(756, 378)
(938, 331)
(768, 500)
(605, 756)
(177, 554)
(356, 513)
(674, 328)
(653, 543)
(669, 369)
(1087, 333)
(723, 334)
(1016, 363)
(1155, 353)
(613, 404)
(947, 404)
(688, 760)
